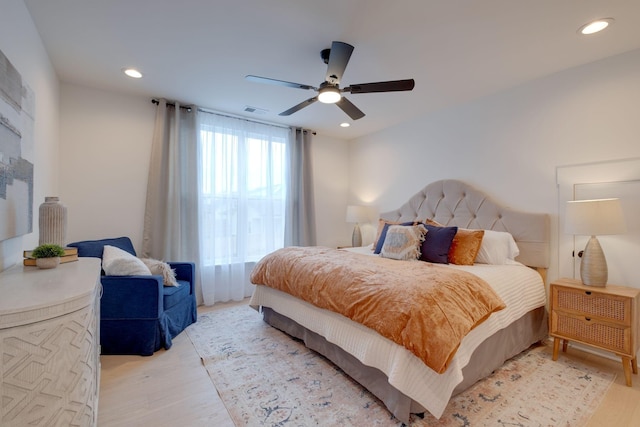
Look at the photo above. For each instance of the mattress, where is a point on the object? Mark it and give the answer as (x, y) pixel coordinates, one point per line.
(520, 287)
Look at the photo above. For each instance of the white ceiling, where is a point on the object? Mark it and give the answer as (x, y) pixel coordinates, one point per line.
(198, 51)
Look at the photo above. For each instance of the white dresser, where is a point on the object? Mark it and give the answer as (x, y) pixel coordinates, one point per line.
(49, 345)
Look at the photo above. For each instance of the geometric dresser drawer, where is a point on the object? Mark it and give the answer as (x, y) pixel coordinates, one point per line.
(50, 345)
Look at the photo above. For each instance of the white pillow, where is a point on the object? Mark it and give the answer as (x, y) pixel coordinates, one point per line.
(116, 262)
(498, 248)
(163, 269)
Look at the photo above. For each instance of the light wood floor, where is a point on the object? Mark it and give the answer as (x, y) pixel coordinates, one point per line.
(172, 388)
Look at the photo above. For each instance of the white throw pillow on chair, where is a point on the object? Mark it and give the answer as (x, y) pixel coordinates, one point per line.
(116, 262)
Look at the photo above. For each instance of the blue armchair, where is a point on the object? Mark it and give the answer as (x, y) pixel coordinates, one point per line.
(138, 314)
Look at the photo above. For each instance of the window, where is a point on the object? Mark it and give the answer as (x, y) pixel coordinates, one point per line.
(243, 190)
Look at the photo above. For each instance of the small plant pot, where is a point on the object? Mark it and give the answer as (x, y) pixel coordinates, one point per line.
(47, 262)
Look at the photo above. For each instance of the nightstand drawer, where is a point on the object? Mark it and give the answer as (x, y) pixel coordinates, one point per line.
(591, 303)
(609, 336)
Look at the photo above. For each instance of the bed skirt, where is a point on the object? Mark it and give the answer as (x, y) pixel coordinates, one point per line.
(490, 355)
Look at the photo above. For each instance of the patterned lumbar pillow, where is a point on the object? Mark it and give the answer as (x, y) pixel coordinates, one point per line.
(383, 227)
(403, 242)
(163, 269)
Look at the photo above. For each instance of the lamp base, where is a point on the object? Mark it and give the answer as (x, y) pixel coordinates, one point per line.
(593, 268)
(356, 237)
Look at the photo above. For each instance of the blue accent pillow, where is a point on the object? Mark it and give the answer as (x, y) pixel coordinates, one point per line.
(94, 248)
(383, 234)
(437, 242)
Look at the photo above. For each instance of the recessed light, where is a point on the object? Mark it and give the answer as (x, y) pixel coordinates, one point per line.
(595, 26)
(132, 72)
(344, 125)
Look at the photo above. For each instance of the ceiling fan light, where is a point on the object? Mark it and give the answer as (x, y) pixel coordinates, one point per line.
(329, 95)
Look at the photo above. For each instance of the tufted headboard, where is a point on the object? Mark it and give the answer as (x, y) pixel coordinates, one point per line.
(452, 202)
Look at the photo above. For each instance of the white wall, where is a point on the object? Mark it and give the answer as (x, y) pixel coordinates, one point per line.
(509, 144)
(21, 44)
(331, 187)
(104, 163)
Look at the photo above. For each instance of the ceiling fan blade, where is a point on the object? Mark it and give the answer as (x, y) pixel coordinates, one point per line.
(338, 60)
(267, 80)
(351, 110)
(299, 107)
(390, 86)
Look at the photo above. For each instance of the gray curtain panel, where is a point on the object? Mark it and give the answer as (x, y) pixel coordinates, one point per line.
(171, 214)
(300, 222)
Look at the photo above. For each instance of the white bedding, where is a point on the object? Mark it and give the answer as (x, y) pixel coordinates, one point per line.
(520, 287)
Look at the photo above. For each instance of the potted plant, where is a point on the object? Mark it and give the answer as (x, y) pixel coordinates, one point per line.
(48, 255)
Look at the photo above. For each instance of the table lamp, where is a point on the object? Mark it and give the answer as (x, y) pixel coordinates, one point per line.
(357, 214)
(593, 218)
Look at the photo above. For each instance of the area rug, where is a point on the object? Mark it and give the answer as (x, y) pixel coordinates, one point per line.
(266, 378)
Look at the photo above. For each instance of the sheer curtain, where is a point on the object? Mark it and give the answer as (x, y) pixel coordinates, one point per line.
(243, 186)
(223, 192)
(171, 214)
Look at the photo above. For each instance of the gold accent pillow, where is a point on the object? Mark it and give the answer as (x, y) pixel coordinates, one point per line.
(465, 246)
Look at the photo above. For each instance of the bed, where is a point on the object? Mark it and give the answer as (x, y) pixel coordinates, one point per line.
(397, 376)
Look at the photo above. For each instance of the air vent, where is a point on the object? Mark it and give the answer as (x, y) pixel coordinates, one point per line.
(254, 110)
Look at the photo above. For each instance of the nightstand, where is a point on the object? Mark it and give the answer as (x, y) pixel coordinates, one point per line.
(601, 317)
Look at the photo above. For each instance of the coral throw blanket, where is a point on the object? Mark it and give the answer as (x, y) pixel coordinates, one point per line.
(427, 308)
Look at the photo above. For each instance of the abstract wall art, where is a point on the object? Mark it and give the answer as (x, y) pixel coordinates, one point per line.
(17, 117)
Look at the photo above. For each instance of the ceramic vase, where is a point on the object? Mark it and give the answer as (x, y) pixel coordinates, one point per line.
(53, 222)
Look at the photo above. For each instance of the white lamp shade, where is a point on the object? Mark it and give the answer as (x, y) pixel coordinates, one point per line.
(357, 214)
(594, 217)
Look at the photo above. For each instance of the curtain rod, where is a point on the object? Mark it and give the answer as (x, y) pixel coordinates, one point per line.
(189, 108)
(172, 104)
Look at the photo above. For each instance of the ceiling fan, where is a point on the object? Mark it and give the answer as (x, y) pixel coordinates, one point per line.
(329, 92)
